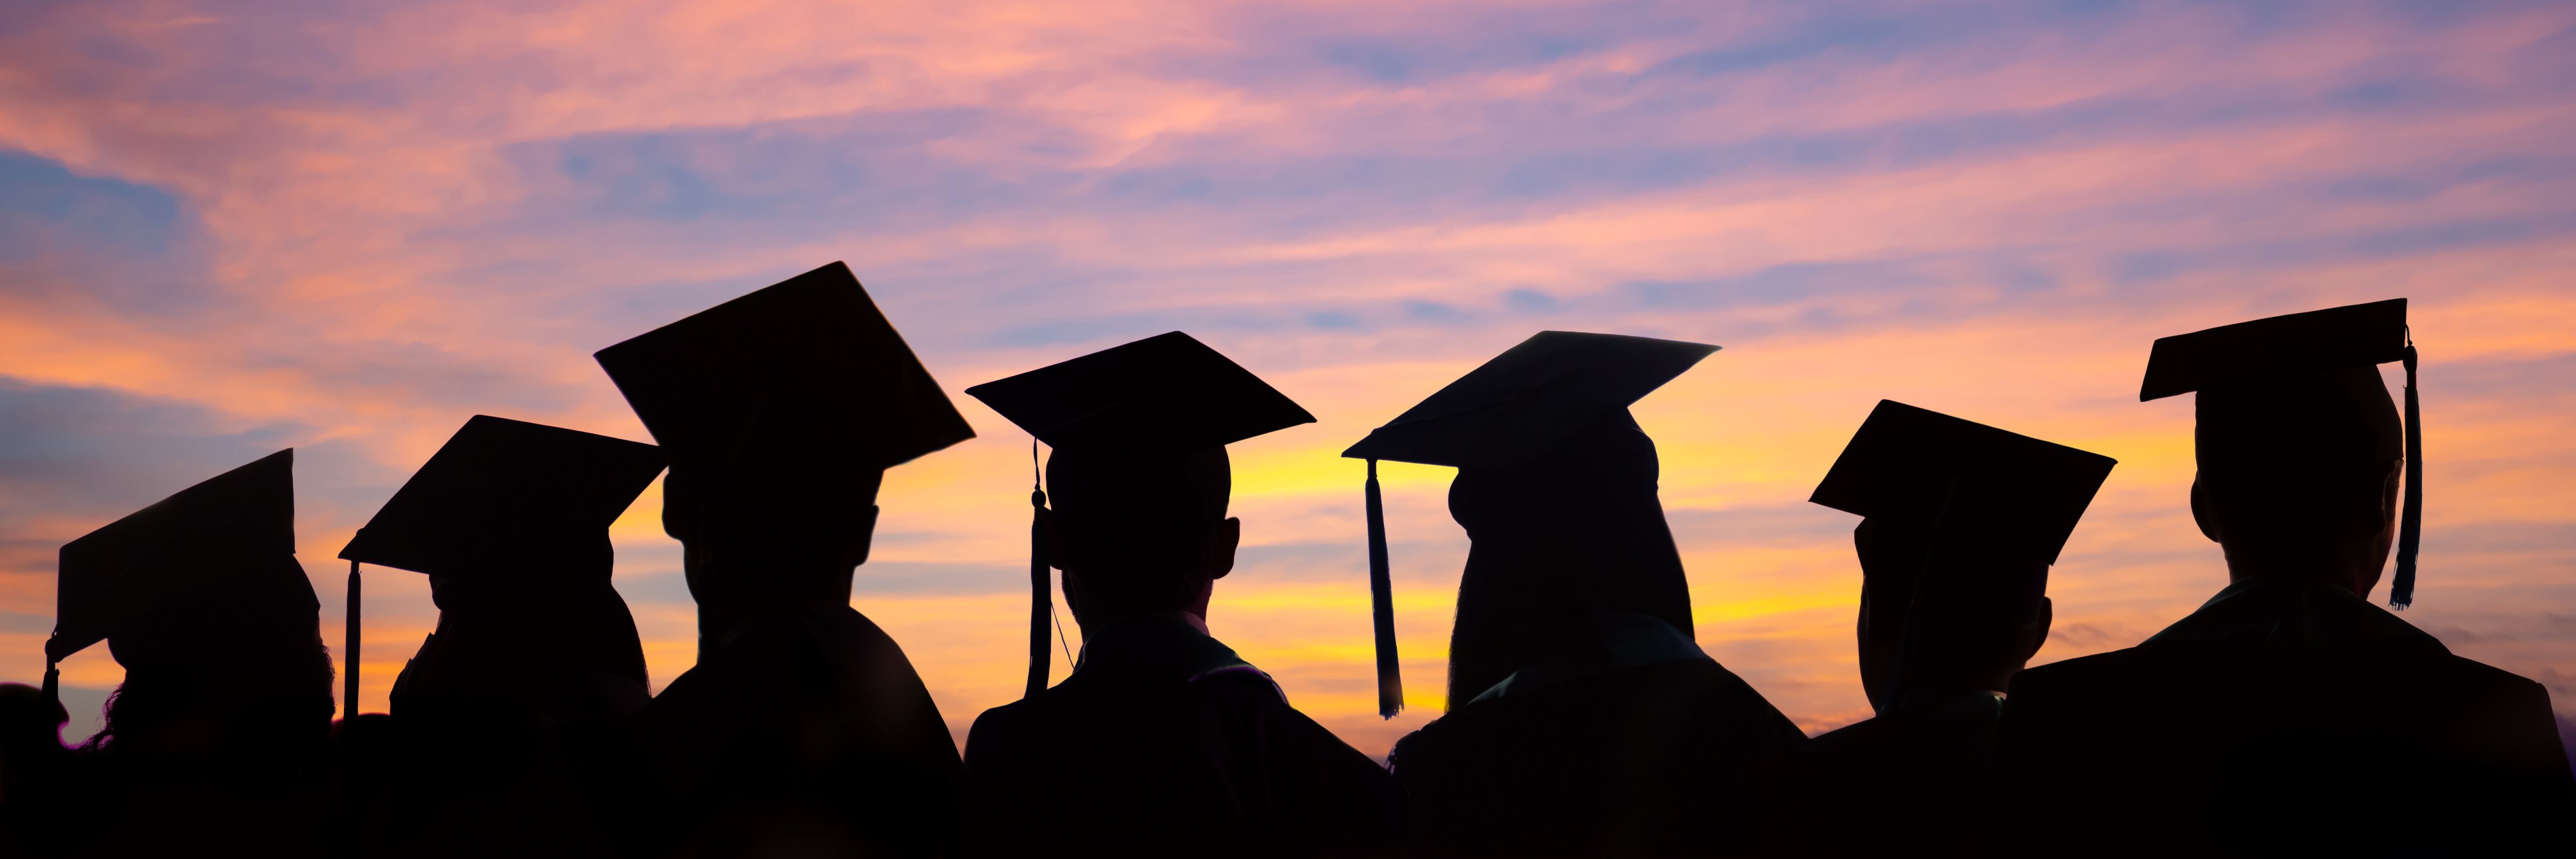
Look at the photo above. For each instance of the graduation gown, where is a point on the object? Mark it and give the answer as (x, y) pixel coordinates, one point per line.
(1164, 742)
(1914, 780)
(500, 727)
(803, 733)
(2285, 718)
(1640, 746)
(252, 780)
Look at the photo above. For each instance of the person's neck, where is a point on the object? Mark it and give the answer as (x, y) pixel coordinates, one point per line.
(1953, 684)
(1101, 620)
(718, 621)
(2246, 564)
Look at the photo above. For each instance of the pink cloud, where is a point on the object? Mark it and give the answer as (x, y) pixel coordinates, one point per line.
(417, 212)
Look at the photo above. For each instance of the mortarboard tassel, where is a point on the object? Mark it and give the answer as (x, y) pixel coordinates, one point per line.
(349, 658)
(1390, 680)
(1041, 582)
(2410, 522)
(53, 683)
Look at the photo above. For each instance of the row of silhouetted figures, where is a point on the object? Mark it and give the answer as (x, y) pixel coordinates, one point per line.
(2287, 716)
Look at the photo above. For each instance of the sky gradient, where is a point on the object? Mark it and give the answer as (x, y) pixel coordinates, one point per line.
(227, 228)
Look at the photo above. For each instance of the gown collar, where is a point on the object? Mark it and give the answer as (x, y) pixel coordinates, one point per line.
(1610, 640)
(1162, 647)
(2275, 613)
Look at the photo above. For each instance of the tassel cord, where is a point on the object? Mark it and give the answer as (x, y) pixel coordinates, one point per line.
(2410, 525)
(1041, 580)
(1390, 680)
(349, 642)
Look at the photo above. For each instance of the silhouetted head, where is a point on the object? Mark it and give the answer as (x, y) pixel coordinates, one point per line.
(1962, 521)
(2300, 446)
(31, 726)
(1139, 477)
(227, 540)
(1579, 530)
(234, 671)
(1937, 618)
(578, 564)
(1556, 486)
(780, 411)
(510, 522)
(1140, 531)
(2298, 477)
(540, 643)
(28, 721)
(755, 541)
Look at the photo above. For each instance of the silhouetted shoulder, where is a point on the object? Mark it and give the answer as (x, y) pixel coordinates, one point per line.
(833, 665)
(2065, 676)
(809, 726)
(1687, 692)
(2153, 672)
(1916, 779)
(2256, 749)
(1216, 764)
(1641, 760)
(2504, 685)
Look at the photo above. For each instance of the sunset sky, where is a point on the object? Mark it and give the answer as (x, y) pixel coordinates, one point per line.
(228, 228)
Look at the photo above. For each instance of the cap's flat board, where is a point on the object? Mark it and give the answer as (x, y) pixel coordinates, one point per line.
(1912, 461)
(146, 558)
(1515, 407)
(501, 487)
(810, 350)
(2357, 335)
(1168, 392)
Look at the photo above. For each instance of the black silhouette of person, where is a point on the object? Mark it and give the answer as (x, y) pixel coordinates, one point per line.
(1962, 523)
(31, 769)
(802, 730)
(1583, 719)
(1163, 741)
(2288, 715)
(503, 713)
(217, 740)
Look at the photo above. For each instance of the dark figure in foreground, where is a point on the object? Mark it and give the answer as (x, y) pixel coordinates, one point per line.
(1963, 521)
(1583, 717)
(802, 730)
(31, 767)
(219, 734)
(2289, 716)
(505, 715)
(1163, 742)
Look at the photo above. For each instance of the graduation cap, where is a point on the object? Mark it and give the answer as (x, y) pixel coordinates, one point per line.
(812, 348)
(798, 381)
(1507, 414)
(2022, 496)
(158, 555)
(499, 489)
(2002, 502)
(1166, 394)
(2303, 349)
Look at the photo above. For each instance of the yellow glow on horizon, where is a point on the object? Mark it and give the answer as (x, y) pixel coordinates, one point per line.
(1359, 202)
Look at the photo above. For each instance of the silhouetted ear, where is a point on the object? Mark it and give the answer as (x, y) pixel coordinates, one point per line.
(2035, 633)
(863, 535)
(1054, 541)
(2200, 512)
(2384, 517)
(1073, 595)
(1222, 542)
(2032, 636)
